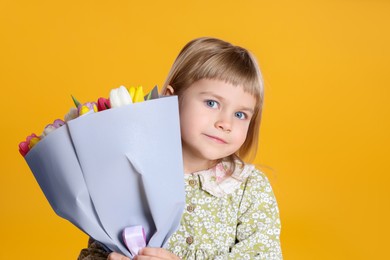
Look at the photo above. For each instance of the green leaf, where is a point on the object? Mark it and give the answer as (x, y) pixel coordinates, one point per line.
(76, 102)
(148, 96)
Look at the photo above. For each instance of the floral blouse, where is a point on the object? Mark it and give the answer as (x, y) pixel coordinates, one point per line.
(226, 217)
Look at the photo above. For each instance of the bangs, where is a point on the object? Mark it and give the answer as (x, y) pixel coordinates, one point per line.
(236, 68)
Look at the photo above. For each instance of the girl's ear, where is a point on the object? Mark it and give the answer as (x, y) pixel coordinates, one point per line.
(169, 91)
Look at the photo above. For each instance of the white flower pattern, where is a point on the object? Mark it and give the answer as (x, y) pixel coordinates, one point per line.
(228, 217)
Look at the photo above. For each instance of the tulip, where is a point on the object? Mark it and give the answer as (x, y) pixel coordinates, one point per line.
(23, 148)
(132, 92)
(138, 95)
(51, 127)
(72, 114)
(47, 130)
(103, 104)
(26, 146)
(120, 97)
(58, 123)
(89, 107)
(33, 141)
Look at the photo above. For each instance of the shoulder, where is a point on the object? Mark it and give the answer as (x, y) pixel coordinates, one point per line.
(258, 197)
(259, 179)
(251, 176)
(257, 187)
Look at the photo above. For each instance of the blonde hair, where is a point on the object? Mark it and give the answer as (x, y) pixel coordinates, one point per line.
(211, 58)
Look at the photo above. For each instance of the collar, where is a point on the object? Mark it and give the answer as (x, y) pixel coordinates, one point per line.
(217, 180)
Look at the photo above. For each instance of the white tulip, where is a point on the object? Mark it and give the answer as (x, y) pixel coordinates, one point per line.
(72, 114)
(120, 97)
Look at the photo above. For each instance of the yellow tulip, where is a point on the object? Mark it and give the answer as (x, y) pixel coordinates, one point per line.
(132, 92)
(33, 142)
(139, 95)
(84, 109)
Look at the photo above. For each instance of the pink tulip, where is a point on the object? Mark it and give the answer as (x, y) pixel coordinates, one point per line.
(86, 108)
(58, 123)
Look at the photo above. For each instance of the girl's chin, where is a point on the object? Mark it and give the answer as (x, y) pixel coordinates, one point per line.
(194, 164)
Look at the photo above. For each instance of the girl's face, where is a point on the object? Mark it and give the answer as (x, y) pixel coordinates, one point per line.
(214, 121)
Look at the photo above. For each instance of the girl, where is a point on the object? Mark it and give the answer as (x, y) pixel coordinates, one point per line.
(231, 212)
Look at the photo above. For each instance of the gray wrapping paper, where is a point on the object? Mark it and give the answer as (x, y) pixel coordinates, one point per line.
(116, 168)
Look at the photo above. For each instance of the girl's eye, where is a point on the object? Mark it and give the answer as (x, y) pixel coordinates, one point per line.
(211, 103)
(240, 115)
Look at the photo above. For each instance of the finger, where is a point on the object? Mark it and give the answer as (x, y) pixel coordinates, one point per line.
(117, 256)
(157, 252)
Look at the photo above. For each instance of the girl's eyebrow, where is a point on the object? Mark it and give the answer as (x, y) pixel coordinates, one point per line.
(247, 109)
(244, 108)
(211, 94)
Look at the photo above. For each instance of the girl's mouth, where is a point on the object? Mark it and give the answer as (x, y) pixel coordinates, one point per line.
(216, 139)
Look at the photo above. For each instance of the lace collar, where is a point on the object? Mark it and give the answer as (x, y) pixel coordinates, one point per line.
(218, 183)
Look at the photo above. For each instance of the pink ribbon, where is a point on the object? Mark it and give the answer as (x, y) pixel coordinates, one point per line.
(134, 238)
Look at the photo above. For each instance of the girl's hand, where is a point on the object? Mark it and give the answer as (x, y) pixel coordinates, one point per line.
(155, 253)
(146, 253)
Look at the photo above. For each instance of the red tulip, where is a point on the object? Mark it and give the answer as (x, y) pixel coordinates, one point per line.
(25, 146)
(103, 104)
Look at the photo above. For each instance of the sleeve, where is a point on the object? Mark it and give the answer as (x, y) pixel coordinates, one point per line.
(95, 251)
(258, 229)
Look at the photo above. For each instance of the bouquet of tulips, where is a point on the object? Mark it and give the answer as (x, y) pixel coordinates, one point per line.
(114, 166)
(118, 97)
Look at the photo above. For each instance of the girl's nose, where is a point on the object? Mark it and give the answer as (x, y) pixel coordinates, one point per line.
(224, 124)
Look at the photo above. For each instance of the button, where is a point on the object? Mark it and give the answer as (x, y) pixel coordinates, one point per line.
(190, 240)
(190, 208)
(192, 182)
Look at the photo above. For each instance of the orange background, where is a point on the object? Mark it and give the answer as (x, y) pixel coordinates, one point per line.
(325, 131)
